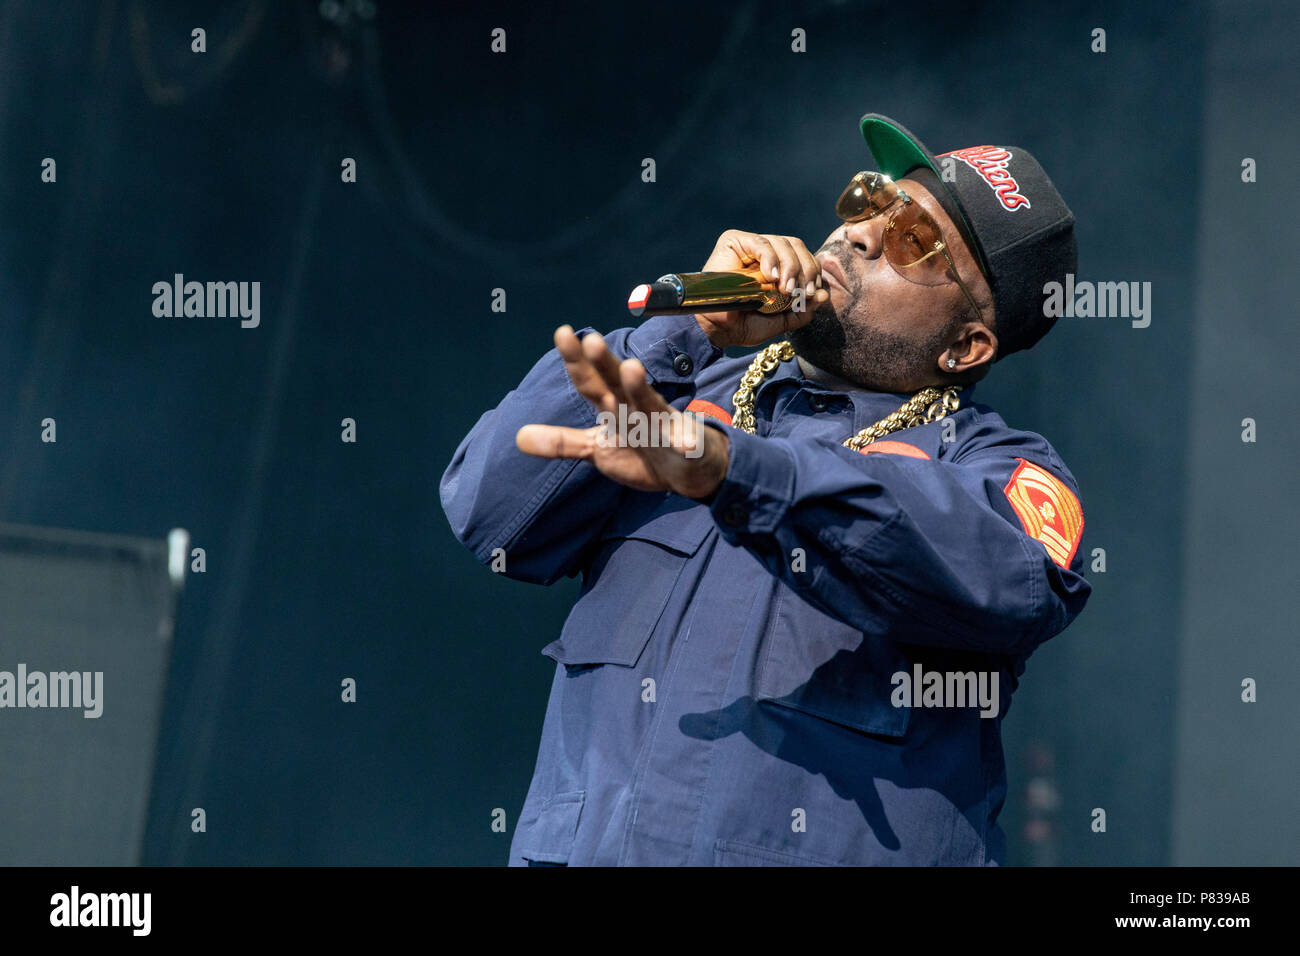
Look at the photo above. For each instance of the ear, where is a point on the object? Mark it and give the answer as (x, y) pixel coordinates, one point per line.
(974, 346)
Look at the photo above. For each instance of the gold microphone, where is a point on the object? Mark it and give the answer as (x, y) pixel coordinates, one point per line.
(685, 293)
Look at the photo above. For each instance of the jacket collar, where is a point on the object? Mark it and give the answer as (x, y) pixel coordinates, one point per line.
(868, 406)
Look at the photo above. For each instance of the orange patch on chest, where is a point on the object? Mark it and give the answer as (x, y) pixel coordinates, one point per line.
(894, 448)
(700, 407)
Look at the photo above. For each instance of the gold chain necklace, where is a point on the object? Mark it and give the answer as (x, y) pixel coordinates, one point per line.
(928, 405)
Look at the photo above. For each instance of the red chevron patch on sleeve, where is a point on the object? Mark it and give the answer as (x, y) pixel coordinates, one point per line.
(1047, 509)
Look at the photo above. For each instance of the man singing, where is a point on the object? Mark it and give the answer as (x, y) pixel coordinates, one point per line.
(807, 601)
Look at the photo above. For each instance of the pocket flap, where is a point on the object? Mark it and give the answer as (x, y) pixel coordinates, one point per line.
(731, 853)
(822, 667)
(550, 839)
(611, 623)
(677, 523)
(643, 549)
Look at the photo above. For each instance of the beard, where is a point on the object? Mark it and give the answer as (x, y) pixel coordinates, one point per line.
(877, 360)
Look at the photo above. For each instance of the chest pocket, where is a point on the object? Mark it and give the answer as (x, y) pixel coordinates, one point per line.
(812, 663)
(642, 552)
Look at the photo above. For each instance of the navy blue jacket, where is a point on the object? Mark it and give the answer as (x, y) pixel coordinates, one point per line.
(729, 686)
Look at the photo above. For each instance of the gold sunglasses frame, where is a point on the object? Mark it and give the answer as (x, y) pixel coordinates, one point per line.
(872, 181)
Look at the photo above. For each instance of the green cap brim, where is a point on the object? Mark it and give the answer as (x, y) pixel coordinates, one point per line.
(896, 152)
(894, 149)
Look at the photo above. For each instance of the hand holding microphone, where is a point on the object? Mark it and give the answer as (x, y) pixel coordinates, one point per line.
(757, 275)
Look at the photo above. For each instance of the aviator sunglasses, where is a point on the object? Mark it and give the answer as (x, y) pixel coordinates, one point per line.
(913, 242)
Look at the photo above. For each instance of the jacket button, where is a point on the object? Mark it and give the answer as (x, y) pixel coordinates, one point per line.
(735, 515)
(683, 365)
(818, 403)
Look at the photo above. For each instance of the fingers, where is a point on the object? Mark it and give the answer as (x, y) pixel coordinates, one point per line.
(750, 248)
(597, 373)
(784, 260)
(791, 274)
(810, 270)
(556, 441)
(586, 379)
(798, 267)
(605, 364)
(810, 303)
(636, 387)
(627, 381)
(683, 437)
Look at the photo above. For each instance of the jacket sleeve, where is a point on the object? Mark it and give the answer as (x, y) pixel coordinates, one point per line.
(545, 513)
(935, 542)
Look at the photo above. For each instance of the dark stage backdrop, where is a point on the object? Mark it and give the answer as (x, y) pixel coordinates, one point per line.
(522, 171)
(92, 615)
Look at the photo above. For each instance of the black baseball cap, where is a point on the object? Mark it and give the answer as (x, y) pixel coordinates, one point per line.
(1008, 212)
